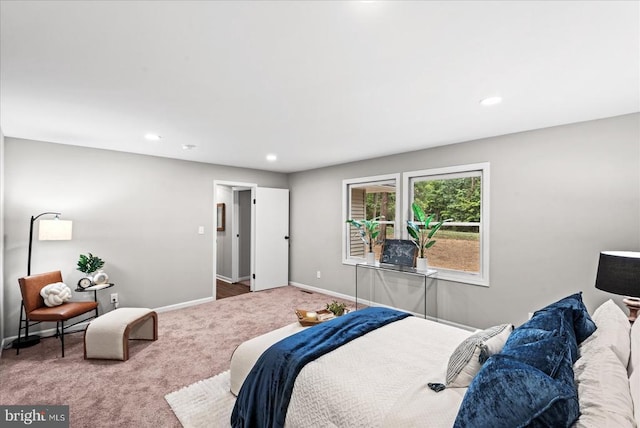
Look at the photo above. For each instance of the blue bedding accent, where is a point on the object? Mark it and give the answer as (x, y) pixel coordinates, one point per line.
(264, 397)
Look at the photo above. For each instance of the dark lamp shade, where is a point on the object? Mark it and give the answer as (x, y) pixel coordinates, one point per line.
(619, 273)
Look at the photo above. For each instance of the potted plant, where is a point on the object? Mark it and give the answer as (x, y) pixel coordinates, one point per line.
(336, 308)
(369, 231)
(88, 265)
(422, 232)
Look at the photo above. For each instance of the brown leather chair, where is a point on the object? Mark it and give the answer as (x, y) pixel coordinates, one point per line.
(36, 311)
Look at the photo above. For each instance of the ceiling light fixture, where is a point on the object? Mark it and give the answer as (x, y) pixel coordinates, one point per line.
(271, 157)
(152, 137)
(188, 146)
(491, 101)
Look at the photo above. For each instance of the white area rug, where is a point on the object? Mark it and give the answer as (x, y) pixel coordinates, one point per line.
(207, 403)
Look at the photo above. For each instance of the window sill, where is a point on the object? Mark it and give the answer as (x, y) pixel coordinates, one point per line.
(452, 276)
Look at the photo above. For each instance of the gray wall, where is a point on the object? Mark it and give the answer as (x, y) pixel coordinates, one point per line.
(139, 213)
(2, 335)
(558, 197)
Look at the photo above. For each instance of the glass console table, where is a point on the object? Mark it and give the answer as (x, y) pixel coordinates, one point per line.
(428, 281)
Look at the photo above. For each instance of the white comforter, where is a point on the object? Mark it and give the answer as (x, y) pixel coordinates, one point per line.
(377, 380)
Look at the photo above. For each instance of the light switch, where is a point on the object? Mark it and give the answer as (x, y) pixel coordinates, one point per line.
(200, 230)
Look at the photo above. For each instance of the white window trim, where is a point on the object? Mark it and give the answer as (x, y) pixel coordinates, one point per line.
(346, 259)
(481, 278)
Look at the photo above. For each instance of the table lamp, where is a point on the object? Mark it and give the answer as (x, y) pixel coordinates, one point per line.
(619, 273)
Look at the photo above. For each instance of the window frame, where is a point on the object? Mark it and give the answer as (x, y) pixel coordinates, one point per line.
(346, 208)
(482, 277)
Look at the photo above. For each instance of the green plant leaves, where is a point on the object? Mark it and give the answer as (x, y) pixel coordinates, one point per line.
(90, 263)
(422, 233)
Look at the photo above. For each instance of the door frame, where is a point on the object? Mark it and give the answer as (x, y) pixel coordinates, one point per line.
(231, 184)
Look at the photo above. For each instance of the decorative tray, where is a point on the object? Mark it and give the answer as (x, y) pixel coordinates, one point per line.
(321, 316)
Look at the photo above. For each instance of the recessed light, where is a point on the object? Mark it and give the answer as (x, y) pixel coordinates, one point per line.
(271, 157)
(152, 137)
(188, 146)
(491, 101)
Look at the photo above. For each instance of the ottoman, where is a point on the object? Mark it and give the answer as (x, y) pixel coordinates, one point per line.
(107, 337)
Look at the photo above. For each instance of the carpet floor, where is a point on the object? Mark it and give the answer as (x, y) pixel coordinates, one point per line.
(193, 344)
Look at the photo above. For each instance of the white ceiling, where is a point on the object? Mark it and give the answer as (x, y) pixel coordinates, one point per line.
(317, 83)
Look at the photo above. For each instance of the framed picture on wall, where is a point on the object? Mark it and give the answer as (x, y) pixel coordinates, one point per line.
(221, 218)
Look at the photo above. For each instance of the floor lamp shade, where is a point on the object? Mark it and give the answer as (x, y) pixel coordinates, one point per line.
(55, 230)
(619, 273)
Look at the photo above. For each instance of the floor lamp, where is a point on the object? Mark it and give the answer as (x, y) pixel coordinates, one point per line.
(49, 230)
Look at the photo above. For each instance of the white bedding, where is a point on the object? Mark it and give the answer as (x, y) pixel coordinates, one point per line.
(408, 354)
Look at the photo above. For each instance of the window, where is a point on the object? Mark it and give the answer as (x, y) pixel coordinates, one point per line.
(461, 194)
(366, 199)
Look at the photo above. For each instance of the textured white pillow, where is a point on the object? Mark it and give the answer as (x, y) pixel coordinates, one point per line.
(468, 357)
(603, 390)
(55, 294)
(613, 332)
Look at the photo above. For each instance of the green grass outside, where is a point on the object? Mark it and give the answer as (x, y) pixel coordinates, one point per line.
(463, 236)
(446, 234)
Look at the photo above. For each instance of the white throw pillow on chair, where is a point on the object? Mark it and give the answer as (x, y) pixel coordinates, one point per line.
(55, 294)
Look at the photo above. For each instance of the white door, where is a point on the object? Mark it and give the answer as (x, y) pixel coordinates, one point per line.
(271, 249)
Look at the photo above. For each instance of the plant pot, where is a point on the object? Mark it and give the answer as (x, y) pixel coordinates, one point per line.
(421, 264)
(371, 258)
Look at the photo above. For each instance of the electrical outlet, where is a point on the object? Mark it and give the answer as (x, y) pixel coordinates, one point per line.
(318, 274)
(114, 297)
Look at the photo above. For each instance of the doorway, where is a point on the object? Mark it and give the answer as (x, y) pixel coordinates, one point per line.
(241, 236)
(251, 239)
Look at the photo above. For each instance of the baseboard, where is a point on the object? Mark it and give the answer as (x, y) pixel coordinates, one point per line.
(323, 291)
(369, 303)
(224, 279)
(52, 331)
(184, 304)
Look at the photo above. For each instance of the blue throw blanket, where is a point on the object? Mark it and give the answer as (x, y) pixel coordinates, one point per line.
(265, 394)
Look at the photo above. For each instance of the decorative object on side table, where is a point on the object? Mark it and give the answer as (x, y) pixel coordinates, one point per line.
(619, 273)
(369, 231)
(422, 232)
(89, 265)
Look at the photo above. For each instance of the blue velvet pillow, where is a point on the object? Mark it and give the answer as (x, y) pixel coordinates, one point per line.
(583, 325)
(549, 319)
(543, 350)
(510, 393)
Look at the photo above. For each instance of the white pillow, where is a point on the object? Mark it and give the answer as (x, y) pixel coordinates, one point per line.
(613, 332)
(55, 294)
(468, 357)
(603, 390)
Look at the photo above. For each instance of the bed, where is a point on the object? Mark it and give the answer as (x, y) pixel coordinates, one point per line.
(557, 369)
